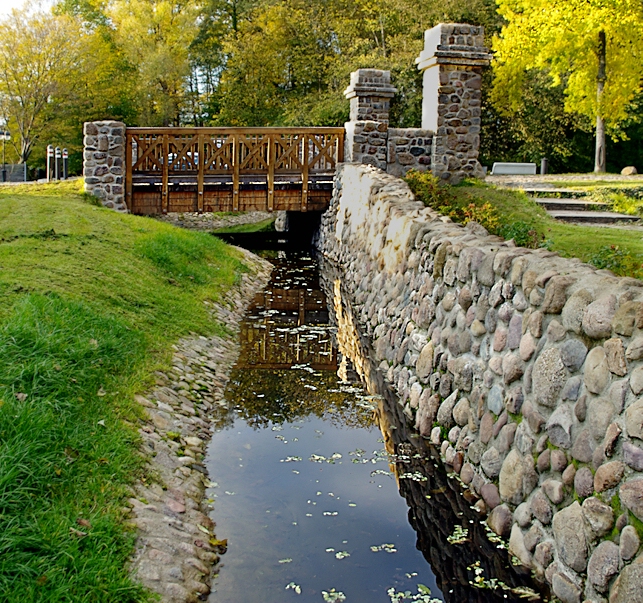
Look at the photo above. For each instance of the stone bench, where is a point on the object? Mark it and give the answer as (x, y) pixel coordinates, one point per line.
(513, 169)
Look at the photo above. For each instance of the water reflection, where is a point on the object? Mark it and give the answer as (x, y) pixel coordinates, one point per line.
(468, 561)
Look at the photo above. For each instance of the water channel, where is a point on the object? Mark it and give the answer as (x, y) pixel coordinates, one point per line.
(320, 488)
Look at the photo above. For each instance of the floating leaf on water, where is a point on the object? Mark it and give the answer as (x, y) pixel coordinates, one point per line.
(209, 484)
(458, 536)
(287, 560)
(389, 548)
(330, 513)
(342, 554)
(294, 587)
(277, 428)
(416, 476)
(333, 596)
(309, 514)
(380, 472)
(352, 505)
(295, 472)
(229, 493)
(317, 458)
(330, 550)
(411, 575)
(291, 459)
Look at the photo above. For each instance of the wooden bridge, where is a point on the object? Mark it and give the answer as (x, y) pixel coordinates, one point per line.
(230, 169)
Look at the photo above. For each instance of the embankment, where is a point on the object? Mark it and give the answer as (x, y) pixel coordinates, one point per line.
(525, 368)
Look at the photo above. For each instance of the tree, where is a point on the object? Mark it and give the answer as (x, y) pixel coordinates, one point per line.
(593, 48)
(155, 36)
(41, 57)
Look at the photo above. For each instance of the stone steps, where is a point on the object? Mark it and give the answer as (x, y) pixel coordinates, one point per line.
(575, 209)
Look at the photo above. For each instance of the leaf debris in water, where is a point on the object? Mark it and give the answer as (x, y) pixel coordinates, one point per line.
(333, 596)
(389, 548)
(287, 560)
(294, 587)
(291, 459)
(342, 554)
(331, 513)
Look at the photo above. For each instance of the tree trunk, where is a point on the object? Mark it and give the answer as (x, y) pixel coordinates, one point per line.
(599, 162)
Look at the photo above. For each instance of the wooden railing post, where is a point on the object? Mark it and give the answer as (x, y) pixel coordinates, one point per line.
(129, 160)
(271, 155)
(304, 174)
(236, 159)
(201, 173)
(165, 196)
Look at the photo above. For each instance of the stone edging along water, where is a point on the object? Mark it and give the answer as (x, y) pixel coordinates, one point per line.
(174, 546)
(525, 368)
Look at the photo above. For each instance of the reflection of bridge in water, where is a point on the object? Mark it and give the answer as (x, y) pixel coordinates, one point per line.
(302, 338)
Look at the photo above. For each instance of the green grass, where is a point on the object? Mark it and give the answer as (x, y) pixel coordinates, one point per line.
(263, 226)
(512, 214)
(90, 303)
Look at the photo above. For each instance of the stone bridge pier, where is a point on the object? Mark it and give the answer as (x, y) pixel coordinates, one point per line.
(449, 139)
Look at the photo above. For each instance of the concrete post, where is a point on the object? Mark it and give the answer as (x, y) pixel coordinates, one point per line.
(104, 162)
(370, 92)
(452, 61)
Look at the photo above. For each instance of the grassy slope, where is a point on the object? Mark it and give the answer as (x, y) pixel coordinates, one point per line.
(90, 303)
(570, 240)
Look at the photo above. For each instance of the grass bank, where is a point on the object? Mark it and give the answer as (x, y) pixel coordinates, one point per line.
(90, 304)
(513, 215)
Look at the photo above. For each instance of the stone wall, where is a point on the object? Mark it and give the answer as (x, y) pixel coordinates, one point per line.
(448, 142)
(104, 162)
(525, 370)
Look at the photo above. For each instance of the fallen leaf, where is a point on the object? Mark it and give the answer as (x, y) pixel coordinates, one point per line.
(40, 581)
(21, 397)
(93, 343)
(101, 392)
(101, 422)
(78, 533)
(203, 529)
(84, 523)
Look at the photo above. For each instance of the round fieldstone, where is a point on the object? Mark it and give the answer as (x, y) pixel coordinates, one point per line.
(543, 461)
(532, 537)
(500, 520)
(522, 514)
(616, 356)
(477, 328)
(514, 333)
(568, 475)
(624, 319)
(554, 490)
(556, 294)
(603, 564)
(559, 427)
(631, 494)
(565, 588)
(584, 482)
(548, 377)
(573, 353)
(467, 473)
(541, 508)
(599, 516)
(495, 399)
(512, 368)
(635, 349)
(633, 456)
(517, 546)
(571, 389)
(535, 324)
(597, 373)
(500, 339)
(634, 419)
(597, 320)
(527, 346)
(572, 313)
(570, 540)
(486, 427)
(558, 461)
(512, 478)
(424, 365)
(636, 380)
(629, 543)
(490, 495)
(461, 412)
(627, 588)
(611, 438)
(491, 462)
(544, 554)
(600, 413)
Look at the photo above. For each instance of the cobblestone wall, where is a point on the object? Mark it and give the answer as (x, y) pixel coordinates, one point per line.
(525, 370)
(104, 162)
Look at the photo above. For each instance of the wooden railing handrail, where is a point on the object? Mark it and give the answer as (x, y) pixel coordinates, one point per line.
(236, 153)
(236, 130)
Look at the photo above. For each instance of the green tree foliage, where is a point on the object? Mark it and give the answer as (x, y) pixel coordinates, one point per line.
(585, 46)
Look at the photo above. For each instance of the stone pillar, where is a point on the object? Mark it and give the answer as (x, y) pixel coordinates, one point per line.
(104, 162)
(452, 61)
(370, 94)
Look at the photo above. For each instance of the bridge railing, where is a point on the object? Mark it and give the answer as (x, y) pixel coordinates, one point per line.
(236, 156)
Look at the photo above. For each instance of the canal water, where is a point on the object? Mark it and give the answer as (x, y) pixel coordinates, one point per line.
(320, 489)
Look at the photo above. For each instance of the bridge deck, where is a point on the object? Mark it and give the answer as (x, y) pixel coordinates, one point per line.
(230, 169)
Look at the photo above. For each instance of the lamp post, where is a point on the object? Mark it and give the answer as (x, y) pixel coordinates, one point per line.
(4, 135)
